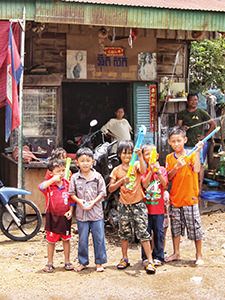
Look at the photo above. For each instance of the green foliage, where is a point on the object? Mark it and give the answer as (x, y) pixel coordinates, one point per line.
(207, 64)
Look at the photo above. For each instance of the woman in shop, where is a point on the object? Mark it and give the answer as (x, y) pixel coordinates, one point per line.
(117, 128)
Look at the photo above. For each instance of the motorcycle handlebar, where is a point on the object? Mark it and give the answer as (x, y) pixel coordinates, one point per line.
(114, 142)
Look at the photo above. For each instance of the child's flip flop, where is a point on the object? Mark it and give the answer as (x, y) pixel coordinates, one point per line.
(69, 267)
(49, 268)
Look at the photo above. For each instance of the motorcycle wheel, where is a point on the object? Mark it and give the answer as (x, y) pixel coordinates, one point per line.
(29, 216)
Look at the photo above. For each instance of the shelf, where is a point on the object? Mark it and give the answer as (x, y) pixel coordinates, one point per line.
(178, 100)
(171, 100)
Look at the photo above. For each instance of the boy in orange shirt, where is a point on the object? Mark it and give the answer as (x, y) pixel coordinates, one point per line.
(183, 171)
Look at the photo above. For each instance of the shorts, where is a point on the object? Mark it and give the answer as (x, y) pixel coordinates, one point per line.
(52, 237)
(189, 217)
(137, 214)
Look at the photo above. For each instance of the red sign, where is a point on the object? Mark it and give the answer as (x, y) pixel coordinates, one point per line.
(114, 51)
(153, 107)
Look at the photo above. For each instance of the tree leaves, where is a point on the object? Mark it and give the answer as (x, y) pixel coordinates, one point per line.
(207, 64)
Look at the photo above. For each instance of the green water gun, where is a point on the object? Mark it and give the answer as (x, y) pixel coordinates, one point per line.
(67, 170)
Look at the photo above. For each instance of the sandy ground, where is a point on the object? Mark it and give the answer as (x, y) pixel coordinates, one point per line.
(21, 266)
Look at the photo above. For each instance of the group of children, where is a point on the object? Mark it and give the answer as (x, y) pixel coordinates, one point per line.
(141, 203)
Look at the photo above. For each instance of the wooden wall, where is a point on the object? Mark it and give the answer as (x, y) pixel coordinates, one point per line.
(49, 49)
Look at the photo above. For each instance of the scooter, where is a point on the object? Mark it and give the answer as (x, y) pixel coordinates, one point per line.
(104, 163)
(20, 219)
(86, 140)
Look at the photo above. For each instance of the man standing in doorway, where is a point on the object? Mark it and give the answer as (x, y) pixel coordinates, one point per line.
(117, 128)
(188, 119)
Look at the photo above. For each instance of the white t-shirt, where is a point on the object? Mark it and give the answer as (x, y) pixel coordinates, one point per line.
(120, 128)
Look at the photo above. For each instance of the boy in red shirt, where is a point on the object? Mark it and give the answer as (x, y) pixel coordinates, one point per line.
(58, 214)
(183, 171)
(154, 182)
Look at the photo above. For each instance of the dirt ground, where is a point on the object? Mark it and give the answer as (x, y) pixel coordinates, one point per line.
(21, 266)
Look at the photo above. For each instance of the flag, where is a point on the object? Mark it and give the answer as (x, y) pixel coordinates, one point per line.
(14, 71)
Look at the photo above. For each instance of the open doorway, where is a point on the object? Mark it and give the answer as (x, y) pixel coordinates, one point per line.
(83, 102)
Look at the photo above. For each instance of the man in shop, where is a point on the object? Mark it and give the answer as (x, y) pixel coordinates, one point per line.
(117, 128)
(188, 119)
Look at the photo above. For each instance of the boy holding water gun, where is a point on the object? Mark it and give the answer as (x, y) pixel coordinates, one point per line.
(61, 154)
(154, 182)
(58, 215)
(183, 169)
(131, 205)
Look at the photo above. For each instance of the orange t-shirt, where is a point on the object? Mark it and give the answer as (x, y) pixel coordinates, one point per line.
(129, 196)
(184, 190)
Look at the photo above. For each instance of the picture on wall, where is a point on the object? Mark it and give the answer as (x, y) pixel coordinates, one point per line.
(147, 66)
(76, 67)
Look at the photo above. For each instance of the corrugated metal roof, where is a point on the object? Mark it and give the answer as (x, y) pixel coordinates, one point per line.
(79, 12)
(128, 16)
(13, 9)
(214, 5)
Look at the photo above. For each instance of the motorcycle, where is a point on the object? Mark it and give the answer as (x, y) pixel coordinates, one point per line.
(104, 163)
(20, 219)
(87, 140)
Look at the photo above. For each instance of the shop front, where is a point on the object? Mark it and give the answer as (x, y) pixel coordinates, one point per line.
(77, 71)
(81, 74)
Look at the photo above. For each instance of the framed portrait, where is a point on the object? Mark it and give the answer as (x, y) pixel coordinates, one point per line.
(76, 64)
(147, 66)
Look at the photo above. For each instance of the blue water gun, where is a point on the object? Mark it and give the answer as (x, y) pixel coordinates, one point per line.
(141, 135)
(204, 140)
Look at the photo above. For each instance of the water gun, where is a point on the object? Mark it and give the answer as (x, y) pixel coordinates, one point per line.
(205, 139)
(67, 170)
(141, 134)
(153, 158)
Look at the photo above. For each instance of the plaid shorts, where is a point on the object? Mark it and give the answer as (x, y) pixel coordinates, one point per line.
(189, 217)
(137, 214)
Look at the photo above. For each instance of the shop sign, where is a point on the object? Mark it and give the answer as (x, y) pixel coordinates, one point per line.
(153, 107)
(111, 61)
(114, 51)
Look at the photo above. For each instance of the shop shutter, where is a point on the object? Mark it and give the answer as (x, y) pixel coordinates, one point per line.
(142, 111)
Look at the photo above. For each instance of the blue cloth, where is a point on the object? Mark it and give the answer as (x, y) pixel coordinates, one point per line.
(155, 224)
(98, 235)
(202, 102)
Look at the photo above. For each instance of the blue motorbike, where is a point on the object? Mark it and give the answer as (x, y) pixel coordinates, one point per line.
(20, 219)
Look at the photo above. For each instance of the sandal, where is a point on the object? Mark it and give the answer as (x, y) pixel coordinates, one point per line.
(100, 269)
(80, 268)
(123, 264)
(150, 268)
(157, 262)
(49, 268)
(69, 266)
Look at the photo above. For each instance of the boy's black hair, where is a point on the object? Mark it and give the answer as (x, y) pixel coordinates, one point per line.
(192, 94)
(55, 163)
(177, 130)
(57, 153)
(84, 151)
(125, 145)
(148, 145)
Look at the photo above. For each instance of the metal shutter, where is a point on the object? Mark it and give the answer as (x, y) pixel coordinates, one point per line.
(142, 110)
